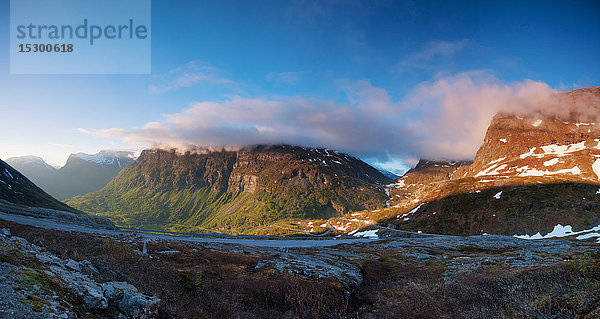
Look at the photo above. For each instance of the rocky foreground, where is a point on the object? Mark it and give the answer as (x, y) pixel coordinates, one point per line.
(50, 273)
(35, 283)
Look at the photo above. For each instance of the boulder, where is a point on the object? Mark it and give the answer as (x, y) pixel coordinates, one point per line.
(73, 265)
(131, 300)
(88, 269)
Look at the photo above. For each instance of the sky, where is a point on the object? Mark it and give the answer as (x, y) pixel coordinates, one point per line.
(388, 81)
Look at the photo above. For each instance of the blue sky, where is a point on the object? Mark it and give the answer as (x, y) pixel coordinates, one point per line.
(338, 57)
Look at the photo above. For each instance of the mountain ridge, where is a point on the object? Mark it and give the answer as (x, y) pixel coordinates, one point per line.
(225, 190)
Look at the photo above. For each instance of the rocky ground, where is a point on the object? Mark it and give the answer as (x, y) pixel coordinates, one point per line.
(35, 283)
(406, 275)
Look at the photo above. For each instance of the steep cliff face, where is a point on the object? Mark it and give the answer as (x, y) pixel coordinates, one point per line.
(237, 190)
(532, 172)
(422, 180)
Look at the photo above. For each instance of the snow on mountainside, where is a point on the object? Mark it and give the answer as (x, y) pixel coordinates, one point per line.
(107, 157)
(517, 150)
(532, 172)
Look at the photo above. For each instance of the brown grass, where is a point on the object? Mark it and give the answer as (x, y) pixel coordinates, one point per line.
(199, 282)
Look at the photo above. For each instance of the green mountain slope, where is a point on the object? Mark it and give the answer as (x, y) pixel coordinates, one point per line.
(236, 191)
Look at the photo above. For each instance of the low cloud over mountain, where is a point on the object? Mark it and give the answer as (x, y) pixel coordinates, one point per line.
(444, 118)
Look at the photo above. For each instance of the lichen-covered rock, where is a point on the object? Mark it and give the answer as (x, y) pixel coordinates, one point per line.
(91, 291)
(131, 300)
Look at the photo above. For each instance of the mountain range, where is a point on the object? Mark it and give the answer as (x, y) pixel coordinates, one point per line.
(83, 173)
(533, 173)
(17, 189)
(236, 191)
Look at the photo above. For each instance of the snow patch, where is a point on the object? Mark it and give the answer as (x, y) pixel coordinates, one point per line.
(562, 150)
(535, 172)
(367, 233)
(564, 231)
(503, 140)
(551, 162)
(529, 153)
(497, 160)
(497, 196)
(596, 168)
(492, 170)
(8, 174)
(414, 210)
(537, 123)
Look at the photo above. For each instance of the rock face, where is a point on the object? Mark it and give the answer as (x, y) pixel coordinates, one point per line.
(422, 180)
(240, 189)
(547, 167)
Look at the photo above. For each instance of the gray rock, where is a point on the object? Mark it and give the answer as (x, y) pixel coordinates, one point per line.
(73, 265)
(88, 269)
(92, 292)
(34, 249)
(22, 242)
(131, 300)
(94, 298)
(421, 256)
(111, 293)
(48, 258)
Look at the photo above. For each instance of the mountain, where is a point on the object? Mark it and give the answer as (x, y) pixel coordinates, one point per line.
(82, 174)
(531, 173)
(17, 189)
(388, 174)
(236, 191)
(35, 169)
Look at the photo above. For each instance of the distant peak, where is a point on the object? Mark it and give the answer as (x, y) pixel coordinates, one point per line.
(108, 157)
(28, 160)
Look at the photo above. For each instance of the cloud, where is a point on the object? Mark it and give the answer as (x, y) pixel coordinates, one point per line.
(444, 118)
(284, 77)
(453, 112)
(433, 54)
(188, 75)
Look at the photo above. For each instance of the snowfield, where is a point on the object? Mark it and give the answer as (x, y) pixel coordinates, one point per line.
(564, 231)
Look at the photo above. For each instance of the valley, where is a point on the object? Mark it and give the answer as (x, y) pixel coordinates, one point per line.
(300, 232)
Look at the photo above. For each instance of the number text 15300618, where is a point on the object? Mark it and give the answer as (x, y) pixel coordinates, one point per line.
(48, 48)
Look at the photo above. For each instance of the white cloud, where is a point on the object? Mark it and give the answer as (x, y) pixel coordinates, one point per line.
(188, 75)
(445, 118)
